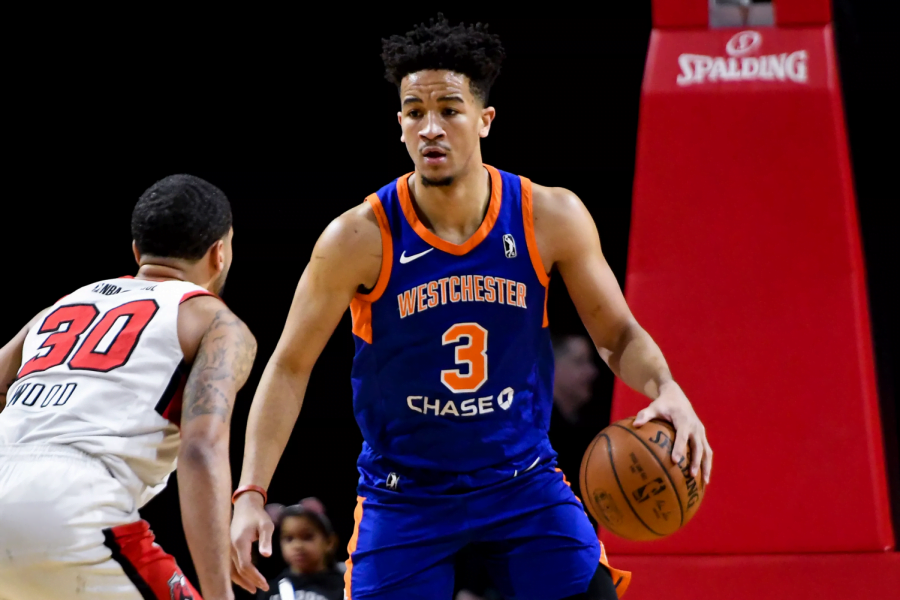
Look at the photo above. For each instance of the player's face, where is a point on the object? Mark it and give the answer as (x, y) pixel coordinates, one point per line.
(442, 123)
(302, 545)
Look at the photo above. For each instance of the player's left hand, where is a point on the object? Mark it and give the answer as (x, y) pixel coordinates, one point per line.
(673, 406)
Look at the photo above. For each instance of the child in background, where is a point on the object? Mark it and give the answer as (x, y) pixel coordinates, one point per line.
(308, 543)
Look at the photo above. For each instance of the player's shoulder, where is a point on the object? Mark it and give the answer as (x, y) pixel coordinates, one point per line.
(562, 223)
(555, 206)
(207, 313)
(354, 243)
(359, 220)
(204, 309)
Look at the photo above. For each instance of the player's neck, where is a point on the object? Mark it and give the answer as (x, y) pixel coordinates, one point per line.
(160, 272)
(454, 210)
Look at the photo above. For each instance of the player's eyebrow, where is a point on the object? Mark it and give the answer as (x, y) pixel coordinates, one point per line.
(410, 100)
(452, 98)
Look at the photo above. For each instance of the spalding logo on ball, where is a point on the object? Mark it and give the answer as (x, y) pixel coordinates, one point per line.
(632, 487)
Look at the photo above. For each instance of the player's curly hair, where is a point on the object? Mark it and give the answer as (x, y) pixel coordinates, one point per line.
(180, 216)
(466, 49)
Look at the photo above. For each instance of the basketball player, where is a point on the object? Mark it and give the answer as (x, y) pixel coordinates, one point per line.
(96, 387)
(445, 271)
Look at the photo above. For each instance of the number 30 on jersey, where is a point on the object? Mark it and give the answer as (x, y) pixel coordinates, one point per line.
(108, 346)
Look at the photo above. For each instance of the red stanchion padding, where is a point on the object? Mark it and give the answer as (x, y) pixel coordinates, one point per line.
(680, 13)
(802, 12)
(783, 577)
(745, 264)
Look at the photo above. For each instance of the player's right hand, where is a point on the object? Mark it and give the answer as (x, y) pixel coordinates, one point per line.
(250, 523)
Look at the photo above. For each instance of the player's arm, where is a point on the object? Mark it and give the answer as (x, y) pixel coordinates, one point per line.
(568, 240)
(346, 256)
(11, 358)
(221, 350)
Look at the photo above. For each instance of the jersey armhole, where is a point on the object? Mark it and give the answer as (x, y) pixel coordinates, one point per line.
(194, 294)
(387, 252)
(530, 238)
(531, 243)
(361, 305)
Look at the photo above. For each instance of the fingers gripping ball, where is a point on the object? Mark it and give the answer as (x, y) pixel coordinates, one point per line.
(631, 486)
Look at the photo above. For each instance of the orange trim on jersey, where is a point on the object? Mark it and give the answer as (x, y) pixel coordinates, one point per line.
(441, 244)
(566, 481)
(530, 239)
(531, 242)
(361, 314)
(361, 305)
(621, 579)
(351, 546)
(387, 251)
(194, 294)
(546, 322)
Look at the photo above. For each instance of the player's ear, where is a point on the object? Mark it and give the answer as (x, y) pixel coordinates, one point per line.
(137, 253)
(217, 256)
(488, 114)
(400, 120)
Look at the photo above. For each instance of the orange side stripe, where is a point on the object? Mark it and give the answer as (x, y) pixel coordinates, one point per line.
(621, 579)
(566, 481)
(351, 546)
(546, 322)
(441, 244)
(361, 313)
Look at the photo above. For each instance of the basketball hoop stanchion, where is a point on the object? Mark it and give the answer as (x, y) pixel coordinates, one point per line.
(745, 263)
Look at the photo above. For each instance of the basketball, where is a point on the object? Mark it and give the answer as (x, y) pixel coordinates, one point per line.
(631, 486)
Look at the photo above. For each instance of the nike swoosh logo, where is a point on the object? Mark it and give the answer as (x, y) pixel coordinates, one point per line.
(408, 259)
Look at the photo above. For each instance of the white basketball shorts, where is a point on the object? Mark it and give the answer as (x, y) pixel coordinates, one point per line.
(70, 531)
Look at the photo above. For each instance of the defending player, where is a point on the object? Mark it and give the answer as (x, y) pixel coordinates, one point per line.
(446, 272)
(95, 392)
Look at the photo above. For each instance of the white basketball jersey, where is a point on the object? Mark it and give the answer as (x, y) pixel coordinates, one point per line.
(103, 372)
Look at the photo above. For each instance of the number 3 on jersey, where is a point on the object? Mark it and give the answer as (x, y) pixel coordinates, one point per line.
(473, 354)
(107, 347)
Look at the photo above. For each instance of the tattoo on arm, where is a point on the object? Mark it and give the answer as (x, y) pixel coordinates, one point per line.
(221, 367)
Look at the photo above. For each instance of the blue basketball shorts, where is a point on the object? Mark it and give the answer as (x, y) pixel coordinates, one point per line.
(531, 532)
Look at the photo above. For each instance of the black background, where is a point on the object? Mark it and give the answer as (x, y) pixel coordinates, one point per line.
(290, 115)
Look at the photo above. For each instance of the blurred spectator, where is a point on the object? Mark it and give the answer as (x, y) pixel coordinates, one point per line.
(308, 544)
(571, 430)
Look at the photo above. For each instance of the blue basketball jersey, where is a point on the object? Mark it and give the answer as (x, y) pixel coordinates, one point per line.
(454, 368)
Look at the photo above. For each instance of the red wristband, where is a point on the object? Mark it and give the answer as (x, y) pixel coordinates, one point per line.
(249, 488)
